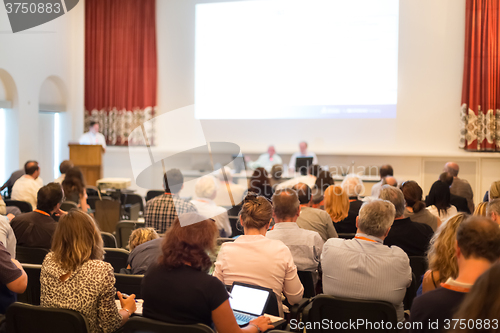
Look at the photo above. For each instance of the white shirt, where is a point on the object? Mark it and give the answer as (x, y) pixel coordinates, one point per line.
(210, 210)
(90, 138)
(266, 162)
(26, 189)
(452, 211)
(222, 197)
(293, 159)
(60, 179)
(7, 236)
(310, 180)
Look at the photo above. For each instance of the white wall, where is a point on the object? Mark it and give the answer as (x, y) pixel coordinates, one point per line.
(30, 57)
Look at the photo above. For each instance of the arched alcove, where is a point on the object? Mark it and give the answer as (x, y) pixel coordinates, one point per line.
(8, 90)
(53, 95)
(9, 153)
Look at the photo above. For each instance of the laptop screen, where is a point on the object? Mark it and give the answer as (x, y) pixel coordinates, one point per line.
(249, 300)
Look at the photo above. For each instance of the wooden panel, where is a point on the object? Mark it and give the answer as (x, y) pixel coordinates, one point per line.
(91, 174)
(85, 155)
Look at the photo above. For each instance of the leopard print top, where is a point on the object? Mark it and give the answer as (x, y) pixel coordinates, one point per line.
(89, 290)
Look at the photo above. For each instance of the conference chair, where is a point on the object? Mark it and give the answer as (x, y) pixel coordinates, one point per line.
(68, 205)
(27, 318)
(108, 239)
(24, 206)
(30, 255)
(132, 198)
(153, 193)
(419, 266)
(32, 293)
(336, 309)
(116, 257)
(129, 284)
(346, 235)
(236, 227)
(306, 278)
(411, 292)
(123, 231)
(91, 200)
(138, 324)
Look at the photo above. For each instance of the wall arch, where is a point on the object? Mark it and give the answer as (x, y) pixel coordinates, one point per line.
(53, 95)
(8, 90)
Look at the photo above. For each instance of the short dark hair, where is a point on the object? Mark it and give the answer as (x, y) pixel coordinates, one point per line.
(446, 178)
(303, 192)
(173, 180)
(92, 123)
(31, 167)
(49, 196)
(315, 170)
(386, 170)
(65, 166)
(479, 237)
(285, 203)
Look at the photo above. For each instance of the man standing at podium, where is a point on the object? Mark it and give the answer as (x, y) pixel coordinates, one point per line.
(93, 137)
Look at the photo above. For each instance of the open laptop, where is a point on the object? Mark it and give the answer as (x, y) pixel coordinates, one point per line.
(302, 164)
(248, 302)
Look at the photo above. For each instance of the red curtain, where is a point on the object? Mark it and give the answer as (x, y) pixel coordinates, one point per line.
(481, 82)
(120, 66)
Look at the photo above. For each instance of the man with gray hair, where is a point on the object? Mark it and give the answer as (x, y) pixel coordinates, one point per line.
(305, 245)
(365, 268)
(411, 237)
(493, 210)
(460, 187)
(206, 190)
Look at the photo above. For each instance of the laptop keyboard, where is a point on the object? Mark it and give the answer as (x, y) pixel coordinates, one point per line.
(240, 317)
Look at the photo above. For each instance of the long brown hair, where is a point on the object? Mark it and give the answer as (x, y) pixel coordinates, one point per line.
(76, 240)
(189, 244)
(413, 195)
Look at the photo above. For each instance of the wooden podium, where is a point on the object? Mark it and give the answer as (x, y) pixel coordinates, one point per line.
(89, 159)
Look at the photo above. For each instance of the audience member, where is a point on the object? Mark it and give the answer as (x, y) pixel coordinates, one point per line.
(459, 202)
(337, 206)
(302, 153)
(415, 207)
(36, 228)
(206, 190)
(442, 255)
(309, 179)
(493, 210)
(13, 279)
(305, 245)
(438, 201)
(494, 192)
(363, 267)
(75, 277)
(353, 186)
(411, 237)
(7, 236)
(161, 211)
(93, 137)
(390, 180)
(63, 168)
(74, 188)
(226, 182)
(480, 209)
(259, 183)
(482, 304)
(27, 186)
(312, 218)
(276, 175)
(323, 180)
(140, 236)
(177, 289)
(266, 160)
(384, 171)
(254, 259)
(460, 187)
(477, 248)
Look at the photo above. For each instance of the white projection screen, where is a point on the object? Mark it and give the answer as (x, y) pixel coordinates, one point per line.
(296, 59)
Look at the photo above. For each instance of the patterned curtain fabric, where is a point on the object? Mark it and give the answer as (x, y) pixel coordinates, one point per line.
(120, 67)
(480, 116)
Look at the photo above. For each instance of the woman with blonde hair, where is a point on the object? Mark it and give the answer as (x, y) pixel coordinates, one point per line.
(140, 236)
(480, 209)
(337, 206)
(74, 276)
(442, 254)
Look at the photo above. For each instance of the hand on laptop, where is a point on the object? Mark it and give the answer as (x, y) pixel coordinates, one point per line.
(262, 323)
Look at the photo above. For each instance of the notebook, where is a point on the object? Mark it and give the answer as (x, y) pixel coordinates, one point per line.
(248, 302)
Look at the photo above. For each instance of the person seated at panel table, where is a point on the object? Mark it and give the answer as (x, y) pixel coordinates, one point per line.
(93, 137)
(178, 289)
(266, 160)
(302, 153)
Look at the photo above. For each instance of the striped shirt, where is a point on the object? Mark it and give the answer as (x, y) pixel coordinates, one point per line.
(161, 211)
(366, 269)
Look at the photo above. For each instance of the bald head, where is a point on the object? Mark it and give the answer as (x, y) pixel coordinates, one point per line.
(31, 168)
(390, 180)
(303, 147)
(452, 168)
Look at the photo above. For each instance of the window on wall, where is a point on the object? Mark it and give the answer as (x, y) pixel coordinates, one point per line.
(49, 145)
(3, 145)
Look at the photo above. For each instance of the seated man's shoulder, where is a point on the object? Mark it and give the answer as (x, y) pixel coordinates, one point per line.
(435, 301)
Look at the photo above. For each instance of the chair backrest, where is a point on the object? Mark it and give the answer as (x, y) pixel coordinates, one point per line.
(107, 214)
(145, 325)
(124, 230)
(346, 235)
(129, 284)
(91, 200)
(116, 257)
(68, 205)
(32, 293)
(308, 282)
(335, 309)
(233, 220)
(27, 318)
(411, 292)
(132, 198)
(419, 266)
(30, 255)
(24, 206)
(153, 193)
(108, 239)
